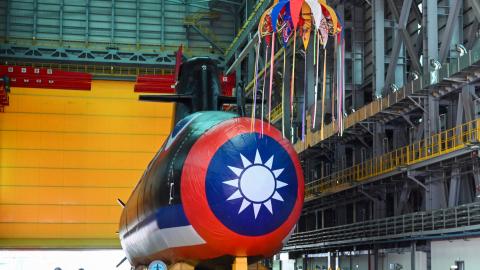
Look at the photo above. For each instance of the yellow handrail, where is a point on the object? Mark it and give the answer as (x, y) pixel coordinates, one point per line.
(97, 69)
(276, 113)
(247, 22)
(436, 145)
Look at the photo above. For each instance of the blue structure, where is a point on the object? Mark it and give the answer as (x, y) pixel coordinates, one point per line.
(139, 32)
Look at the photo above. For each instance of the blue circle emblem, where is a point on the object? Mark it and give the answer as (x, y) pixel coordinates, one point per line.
(251, 184)
(157, 265)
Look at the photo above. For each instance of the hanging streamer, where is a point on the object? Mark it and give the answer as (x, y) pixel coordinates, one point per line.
(316, 83)
(324, 90)
(317, 13)
(296, 7)
(263, 88)
(255, 83)
(304, 98)
(283, 92)
(305, 26)
(284, 18)
(264, 31)
(292, 79)
(342, 73)
(315, 47)
(340, 85)
(275, 16)
(272, 58)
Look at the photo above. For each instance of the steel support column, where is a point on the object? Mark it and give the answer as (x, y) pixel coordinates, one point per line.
(470, 35)
(251, 45)
(465, 106)
(286, 95)
(476, 8)
(452, 22)
(7, 19)
(112, 32)
(476, 177)
(238, 74)
(378, 136)
(435, 195)
(379, 46)
(468, 103)
(310, 87)
(430, 39)
(245, 31)
(137, 22)
(454, 191)
(60, 22)
(35, 15)
(163, 23)
(87, 21)
(402, 36)
(431, 120)
(358, 56)
(403, 199)
(413, 250)
(251, 65)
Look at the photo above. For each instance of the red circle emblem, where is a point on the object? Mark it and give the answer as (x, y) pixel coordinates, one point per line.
(220, 238)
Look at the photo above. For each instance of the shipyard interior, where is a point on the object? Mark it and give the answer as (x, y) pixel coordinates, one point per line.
(378, 99)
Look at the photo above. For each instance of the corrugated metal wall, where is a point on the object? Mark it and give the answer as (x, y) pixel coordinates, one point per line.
(66, 156)
(144, 25)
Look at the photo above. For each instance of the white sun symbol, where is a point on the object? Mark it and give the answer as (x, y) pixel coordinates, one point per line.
(257, 184)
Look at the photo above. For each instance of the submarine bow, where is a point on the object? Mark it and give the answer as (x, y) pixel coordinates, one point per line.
(217, 188)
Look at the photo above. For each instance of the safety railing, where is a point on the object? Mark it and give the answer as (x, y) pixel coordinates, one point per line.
(436, 145)
(276, 113)
(460, 219)
(99, 45)
(245, 25)
(102, 70)
(194, 20)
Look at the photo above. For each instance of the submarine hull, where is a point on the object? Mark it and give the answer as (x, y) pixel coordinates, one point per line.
(220, 187)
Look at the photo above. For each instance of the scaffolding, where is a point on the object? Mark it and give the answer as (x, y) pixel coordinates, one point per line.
(445, 142)
(448, 222)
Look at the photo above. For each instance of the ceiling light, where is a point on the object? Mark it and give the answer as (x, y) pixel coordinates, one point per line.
(394, 87)
(435, 64)
(461, 49)
(415, 75)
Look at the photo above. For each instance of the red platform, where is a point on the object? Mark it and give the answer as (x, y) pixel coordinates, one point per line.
(4, 101)
(46, 78)
(165, 84)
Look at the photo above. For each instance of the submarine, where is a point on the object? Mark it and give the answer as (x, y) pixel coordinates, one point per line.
(221, 187)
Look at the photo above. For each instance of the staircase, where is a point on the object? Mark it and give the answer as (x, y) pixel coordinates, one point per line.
(194, 21)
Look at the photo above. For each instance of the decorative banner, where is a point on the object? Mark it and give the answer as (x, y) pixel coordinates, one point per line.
(317, 14)
(296, 7)
(276, 12)
(324, 90)
(265, 26)
(272, 62)
(307, 25)
(284, 18)
(317, 64)
(255, 83)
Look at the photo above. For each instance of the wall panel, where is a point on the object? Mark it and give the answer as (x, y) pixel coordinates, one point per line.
(66, 156)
